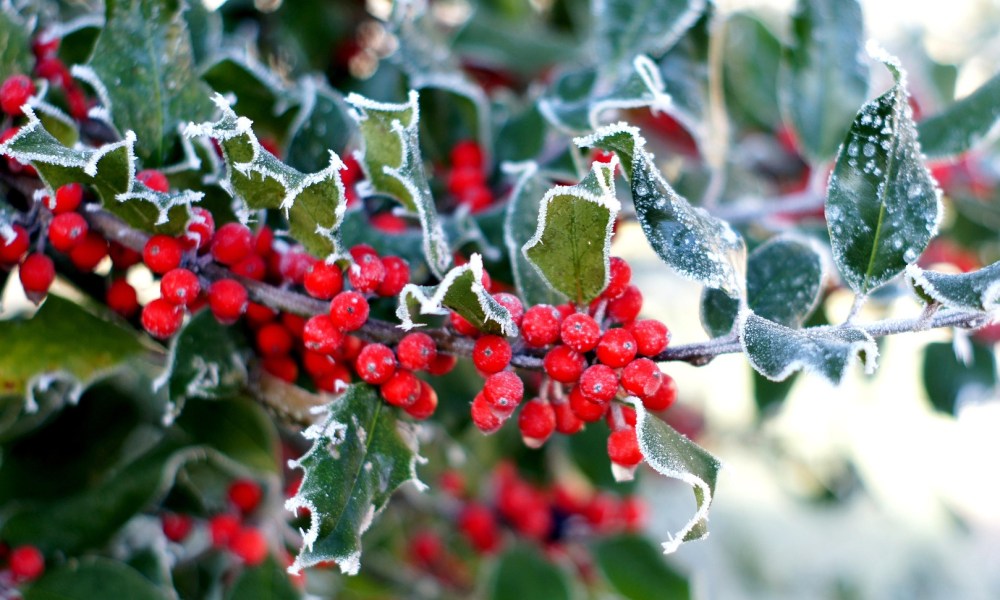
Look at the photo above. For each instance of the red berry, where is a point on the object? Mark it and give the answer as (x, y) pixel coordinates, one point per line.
(258, 315)
(620, 275)
(416, 351)
(89, 252)
(245, 495)
(402, 389)
(479, 526)
(222, 528)
(334, 380)
(442, 364)
(397, 275)
(26, 563)
(349, 349)
(513, 305)
(228, 300)
(122, 298)
(45, 45)
(586, 410)
(13, 248)
(491, 354)
(274, 340)
(477, 198)
(67, 230)
(318, 364)
(463, 326)
(232, 243)
(121, 257)
(651, 336)
(626, 307)
(154, 180)
(564, 364)
(36, 273)
(281, 366)
(633, 513)
(349, 311)
(180, 287)
(426, 548)
(623, 447)
(466, 153)
(367, 273)
(161, 318)
(484, 416)
(464, 178)
(375, 364)
(323, 280)
(263, 241)
(14, 93)
(249, 545)
(599, 383)
(664, 397)
(251, 267)
(176, 527)
(293, 265)
(388, 222)
(504, 391)
(321, 335)
(536, 421)
(616, 348)
(426, 403)
(580, 332)
(620, 416)
(641, 377)
(567, 423)
(200, 229)
(295, 324)
(66, 199)
(162, 253)
(540, 325)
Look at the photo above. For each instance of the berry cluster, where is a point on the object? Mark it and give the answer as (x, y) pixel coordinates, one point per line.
(466, 178)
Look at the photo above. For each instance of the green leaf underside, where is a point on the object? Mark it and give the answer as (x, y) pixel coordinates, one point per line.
(321, 125)
(360, 454)
(626, 28)
(784, 281)
(48, 346)
(695, 244)
(143, 59)
(825, 77)
(946, 377)
(314, 202)
(752, 62)
(776, 351)
(572, 242)
(964, 124)
(636, 570)
(267, 581)
(205, 360)
(93, 577)
(393, 165)
(15, 47)
(523, 573)
(520, 223)
(977, 290)
(237, 427)
(461, 291)
(109, 170)
(882, 204)
(673, 455)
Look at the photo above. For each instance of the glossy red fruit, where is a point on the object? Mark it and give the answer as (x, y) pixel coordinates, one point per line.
(664, 397)
(623, 447)
(651, 336)
(513, 305)
(426, 403)
(323, 280)
(491, 353)
(66, 199)
(222, 528)
(26, 563)
(227, 298)
(585, 409)
(626, 307)
(416, 351)
(641, 377)
(14, 93)
(349, 310)
(484, 417)
(321, 335)
(397, 275)
(466, 153)
(67, 230)
(537, 421)
(37, 273)
(402, 389)
(504, 391)
(540, 325)
(180, 287)
(282, 366)
(274, 340)
(617, 348)
(367, 273)
(232, 243)
(122, 298)
(176, 527)
(599, 383)
(14, 246)
(564, 364)
(580, 332)
(200, 229)
(567, 423)
(245, 495)
(479, 526)
(154, 180)
(442, 364)
(463, 326)
(89, 252)
(375, 364)
(162, 253)
(620, 275)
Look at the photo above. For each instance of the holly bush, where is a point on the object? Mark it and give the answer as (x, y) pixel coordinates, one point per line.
(277, 276)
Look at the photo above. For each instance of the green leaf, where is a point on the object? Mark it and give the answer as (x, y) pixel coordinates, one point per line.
(626, 28)
(672, 455)
(752, 60)
(977, 290)
(109, 170)
(314, 203)
(237, 427)
(520, 223)
(572, 242)
(523, 573)
(946, 376)
(320, 125)
(267, 581)
(15, 47)
(360, 454)
(205, 361)
(261, 95)
(530, 47)
(825, 79)
(393, 165)
(882, 204)
(462, 291)
(46, 348)
(143, 70)
(964, 124)
(697, 245)
(93, 577)
(636, 570)
(776, 351)
(784, 281)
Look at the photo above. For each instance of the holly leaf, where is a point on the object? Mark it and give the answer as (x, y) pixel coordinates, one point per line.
(314, 203)
(825, 79)
(321, 124)
(882, 205)
(15, 47)
(636, 570)
(93, 577)
(142, 69)
(393, 165)
(964, 124)
(626, 28)
(672, 455)
(461, 291)
(360, 454)
(572, 242)
(205, 361)
(977, 290)
(698, 246)
(947, 376)
(109, 170)
(262, 96)
(776, 351)
(784, 281)
(520, 223)
(237, 427)
(266, 581)
(752, 60)
(525, 574)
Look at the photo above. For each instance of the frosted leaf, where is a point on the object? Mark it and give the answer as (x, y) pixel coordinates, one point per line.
(205, 361)
(881, 216)
(572, 242)
(393, 165)
(15, 42)
(626, 28)
(321, 124)
(697, 245)
(673, 455)
(978, 290)
(461, 290)
(776, 351)
(342, 495)
(963, 125)
(314, 203)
